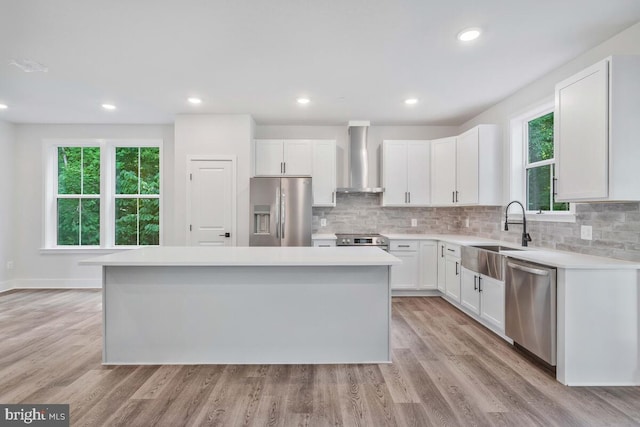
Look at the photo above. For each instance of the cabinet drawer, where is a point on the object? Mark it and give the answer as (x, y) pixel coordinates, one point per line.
(324, 243)
(404, 245)
(452, 250)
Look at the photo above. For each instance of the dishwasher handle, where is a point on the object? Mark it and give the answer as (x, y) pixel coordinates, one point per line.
(536, 271)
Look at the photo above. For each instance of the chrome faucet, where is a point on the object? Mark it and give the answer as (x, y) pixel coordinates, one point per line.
(526, 238)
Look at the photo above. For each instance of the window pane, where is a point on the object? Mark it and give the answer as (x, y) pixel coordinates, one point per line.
(126, 221)
(541, 138)
(69, 178)
(90, 214)
(558, 206)
(91, 170)
(68, 221)
(149, 221)
(127, 170)
(150, 170)
(539, 188)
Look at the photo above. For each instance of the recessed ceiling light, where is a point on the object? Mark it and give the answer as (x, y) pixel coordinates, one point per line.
(469, 34)
(411, 101)
(109, 107)
(3, 107)
(195, 101)
(303, 101)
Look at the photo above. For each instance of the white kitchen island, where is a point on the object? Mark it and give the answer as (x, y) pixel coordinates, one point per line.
(246, 305)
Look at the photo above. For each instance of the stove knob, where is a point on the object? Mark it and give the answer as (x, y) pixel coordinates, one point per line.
(348, 240)
(378, 241)
(343, 241)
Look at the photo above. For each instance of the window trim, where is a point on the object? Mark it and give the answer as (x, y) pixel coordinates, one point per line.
(107, 191)
(519, 162)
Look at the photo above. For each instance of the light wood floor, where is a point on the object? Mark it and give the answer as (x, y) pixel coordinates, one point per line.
(447, 370)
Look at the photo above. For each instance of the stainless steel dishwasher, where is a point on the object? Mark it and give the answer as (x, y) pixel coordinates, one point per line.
(530, 307)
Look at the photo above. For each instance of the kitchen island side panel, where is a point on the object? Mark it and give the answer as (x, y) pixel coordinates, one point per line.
(246, 315)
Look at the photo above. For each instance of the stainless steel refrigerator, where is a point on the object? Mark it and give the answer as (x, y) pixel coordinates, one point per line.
(280, 211)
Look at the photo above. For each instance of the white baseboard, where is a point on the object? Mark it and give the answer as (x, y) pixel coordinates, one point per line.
(7, 286)
(57, 284)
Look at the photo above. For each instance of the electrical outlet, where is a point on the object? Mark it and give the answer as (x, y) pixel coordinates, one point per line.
(9, 265)
(466, 223)
(323, 222)
(586, 232)
(414, 222)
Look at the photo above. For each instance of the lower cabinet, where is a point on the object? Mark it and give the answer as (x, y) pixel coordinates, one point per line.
(419, 268)
(483, 296)
(452, 271)
(324, 243)
(442, 265)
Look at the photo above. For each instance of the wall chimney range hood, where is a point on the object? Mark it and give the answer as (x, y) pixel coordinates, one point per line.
(359, 160)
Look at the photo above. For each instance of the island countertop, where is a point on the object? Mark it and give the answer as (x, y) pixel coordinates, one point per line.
(245, 256)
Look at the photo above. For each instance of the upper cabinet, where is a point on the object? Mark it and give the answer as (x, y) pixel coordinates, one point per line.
(405, 173)
(467, 170)
(596, 132)
(283, 157)
(324, 173)
(300, 157)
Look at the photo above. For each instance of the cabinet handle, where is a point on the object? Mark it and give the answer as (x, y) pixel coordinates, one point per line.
(456, 196)
(450, 250)
(453, 197)
(456, 268)
(475, 282)
(281, 169)
(404, 246)
(409, 193)
(285, 167)
(442, 251)
(479, 284)
(333, 197)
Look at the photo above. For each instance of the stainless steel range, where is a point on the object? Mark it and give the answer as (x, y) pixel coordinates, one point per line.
(375, 240)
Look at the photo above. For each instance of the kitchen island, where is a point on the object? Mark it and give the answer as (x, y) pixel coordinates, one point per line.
(246, 305)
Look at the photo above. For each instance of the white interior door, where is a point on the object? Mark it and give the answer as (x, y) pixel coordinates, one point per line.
(211, 203)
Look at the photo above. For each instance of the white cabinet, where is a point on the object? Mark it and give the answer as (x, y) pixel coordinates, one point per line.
(324, 243)
(483, 296)
(467, 169)
(442, 265)
(596, 131)
(283, 157)
(405, 275)
(405, 173)
(419, 267)
(324, 173)
(452, 271)
(428, 264)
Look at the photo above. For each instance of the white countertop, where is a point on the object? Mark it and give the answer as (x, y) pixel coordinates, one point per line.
(246, 256)
(550, 257)
(320, 236)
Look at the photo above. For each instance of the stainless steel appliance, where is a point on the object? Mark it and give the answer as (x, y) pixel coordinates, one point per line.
(530, 311)
(359, 160)
(280, 211)
(362, 240)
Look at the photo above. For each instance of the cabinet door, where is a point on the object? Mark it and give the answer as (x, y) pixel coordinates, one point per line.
(581, 135)
(453, 278)
(418, 176)
(428, 265)
(443, 171)
(297, 157)
(469, 295)
(405, 275)
(492, 301)
(442, 267)
(268, 159)
(467, 167)
(394, 173)
(324, 173)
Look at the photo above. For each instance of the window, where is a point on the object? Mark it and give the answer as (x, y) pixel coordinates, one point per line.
(540, 165)
(102, 194)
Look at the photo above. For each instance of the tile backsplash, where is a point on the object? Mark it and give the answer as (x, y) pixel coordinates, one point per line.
(616, 226)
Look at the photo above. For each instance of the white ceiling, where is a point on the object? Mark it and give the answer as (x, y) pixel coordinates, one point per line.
(355, 59)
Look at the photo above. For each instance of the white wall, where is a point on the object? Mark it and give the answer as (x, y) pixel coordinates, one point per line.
(215, 135)
(626, 42)
(376, 135)
(7, 212)
(36, 268)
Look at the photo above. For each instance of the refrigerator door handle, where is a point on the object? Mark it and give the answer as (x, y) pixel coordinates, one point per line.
(282, 214)
(278, 213)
